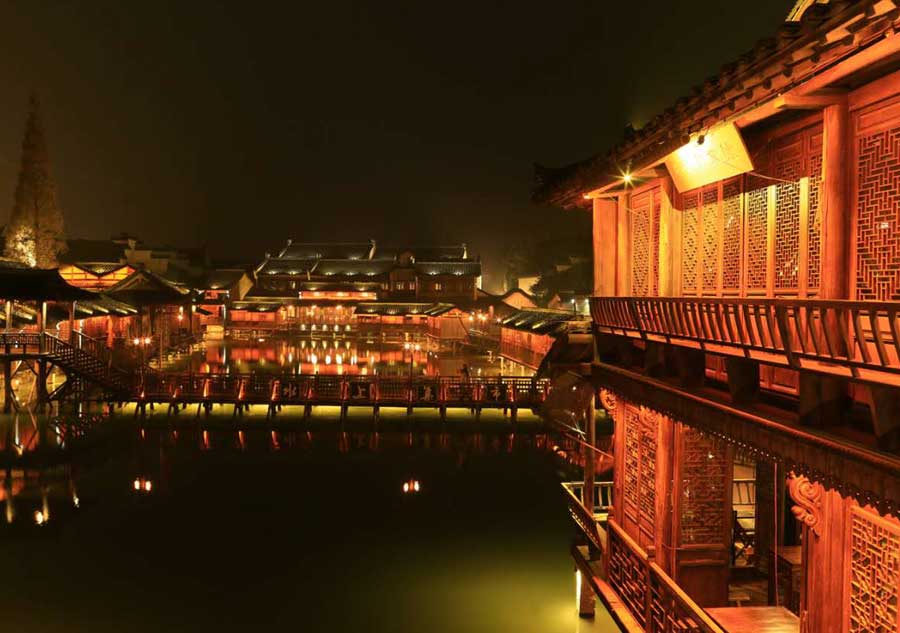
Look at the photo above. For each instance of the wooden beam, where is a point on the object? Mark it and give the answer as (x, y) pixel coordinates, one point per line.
(808, 102)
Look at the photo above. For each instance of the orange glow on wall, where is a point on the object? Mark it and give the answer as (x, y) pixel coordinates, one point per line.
(83, 278)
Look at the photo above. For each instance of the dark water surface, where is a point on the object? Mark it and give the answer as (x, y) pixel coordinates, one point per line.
(306, 539)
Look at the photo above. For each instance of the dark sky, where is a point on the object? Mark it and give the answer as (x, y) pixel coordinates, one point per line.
(241, 124)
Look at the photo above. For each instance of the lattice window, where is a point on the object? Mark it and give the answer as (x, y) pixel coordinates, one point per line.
(647, 481)
(814, 248)
(731, 242)
(705, 475)
(632, 468)
(710, 223)
(689, 242)
(757, 234)
(874, 590)
(639, 478)
(641, 240)
(787, 224)
(878, 217)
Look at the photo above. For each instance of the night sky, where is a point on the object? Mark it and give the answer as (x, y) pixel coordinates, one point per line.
(241, 124)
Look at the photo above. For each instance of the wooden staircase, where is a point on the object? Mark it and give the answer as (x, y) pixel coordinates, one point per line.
(86, 361)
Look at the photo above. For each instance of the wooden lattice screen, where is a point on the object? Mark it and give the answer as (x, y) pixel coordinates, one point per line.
(877, 197)
(705, 477)
(874, 577)
(727, 248)
(639, 476)
(645, 210)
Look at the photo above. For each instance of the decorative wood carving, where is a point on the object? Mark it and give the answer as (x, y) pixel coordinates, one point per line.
(808, 497)
(874, 591)
(608, 401)
(705, 471)
(878, 219)
(870, 478)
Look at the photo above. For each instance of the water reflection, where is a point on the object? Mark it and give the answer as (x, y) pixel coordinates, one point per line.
(419, 355)
(264, 526)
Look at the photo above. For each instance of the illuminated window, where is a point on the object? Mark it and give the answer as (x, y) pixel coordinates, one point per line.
(400, 285)
(438, 286)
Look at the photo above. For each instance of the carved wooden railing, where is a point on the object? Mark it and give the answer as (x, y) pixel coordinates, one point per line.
(590, 520)
(857, 339)
(657, 603)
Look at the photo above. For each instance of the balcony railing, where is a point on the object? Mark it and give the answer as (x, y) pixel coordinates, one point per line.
(856, 339)
(590, 519)
(652, 597)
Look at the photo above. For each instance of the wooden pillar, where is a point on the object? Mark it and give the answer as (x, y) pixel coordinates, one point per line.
(41, 323)
(587, 492)
(110, 331)
(587, 602)
(7, 386)
(824, 517)
(822, 398)
(9, 317)
(604, 243)
(667, 240)
(835, 204)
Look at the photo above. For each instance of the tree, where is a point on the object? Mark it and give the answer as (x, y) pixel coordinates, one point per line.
(35, 234)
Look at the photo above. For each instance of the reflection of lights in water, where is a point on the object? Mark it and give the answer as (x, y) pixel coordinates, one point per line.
(411, 486)
(578, 588)
(39, 517)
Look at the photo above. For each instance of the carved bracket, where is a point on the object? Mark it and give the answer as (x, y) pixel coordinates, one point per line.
(808, 497)
(608, 400)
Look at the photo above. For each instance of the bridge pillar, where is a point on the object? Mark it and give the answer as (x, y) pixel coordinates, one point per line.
(587, 602)
(7, 386)
(42, 396)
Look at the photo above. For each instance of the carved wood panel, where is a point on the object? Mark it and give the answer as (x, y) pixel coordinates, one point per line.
(710, 222)
(705, 475)
(878, 216)
(690, 242)
(639, 476)
(874, 579)
(641, 241)
(732, 239)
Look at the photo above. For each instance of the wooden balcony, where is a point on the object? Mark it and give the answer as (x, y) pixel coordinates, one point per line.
(859, 340)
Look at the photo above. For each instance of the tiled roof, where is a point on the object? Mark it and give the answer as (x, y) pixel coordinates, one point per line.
(426, 253)
(327, 250)
(37, 284)
(99, 268)
(539, 321)
(325, 267)
(467, 267)
(402, 309)
(798, 51)
(222, 278)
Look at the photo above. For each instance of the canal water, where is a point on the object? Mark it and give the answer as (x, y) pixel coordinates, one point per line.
(308, 531)
(403, 527)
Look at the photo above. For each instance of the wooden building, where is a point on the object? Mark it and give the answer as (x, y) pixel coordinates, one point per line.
(322, 284)
(747, 296)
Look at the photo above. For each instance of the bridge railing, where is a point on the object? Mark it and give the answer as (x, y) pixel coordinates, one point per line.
(590, 519)
(859, 339)
(497, 392)
(20, 342)
(653, 598)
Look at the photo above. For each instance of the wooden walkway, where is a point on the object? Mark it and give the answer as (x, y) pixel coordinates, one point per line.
(179, 390)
